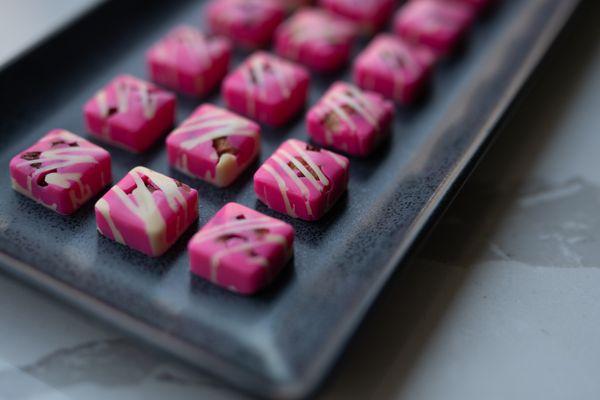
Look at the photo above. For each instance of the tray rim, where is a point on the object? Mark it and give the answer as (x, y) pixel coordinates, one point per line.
(440, 200)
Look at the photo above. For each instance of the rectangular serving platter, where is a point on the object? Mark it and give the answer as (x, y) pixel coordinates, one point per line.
(280, 343)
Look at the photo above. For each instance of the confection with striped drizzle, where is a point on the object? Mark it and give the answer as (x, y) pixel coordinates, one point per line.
(350, 120)
(188, 62)
(437, 24)
(241, 249)
(394, 68)
(130, 113)
(214, 144)
(61, 171)
(267, 88)
(301, 180)
(146, 211)
(316, 38)
(248, 23)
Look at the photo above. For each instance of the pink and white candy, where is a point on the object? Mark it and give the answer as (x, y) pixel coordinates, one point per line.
(301, 180)
(437, 24)
(130, 113)
(267, 88)
(189, 62)
(350, 120)
(146, 211)
(214, 144)
(241, 249)
(248, 23)
(61, 171)
(394, 68)
(316, 38)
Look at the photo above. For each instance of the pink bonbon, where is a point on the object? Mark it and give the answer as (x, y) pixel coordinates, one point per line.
(316, 38)
(214, 144)
(248, 23)
(437, 24)
(301, 180)
(130, 113)
(350, 120)
(241, 249)
(394, 68)
(146, 211)
(267, 88)
(61, 171)
(189, 62)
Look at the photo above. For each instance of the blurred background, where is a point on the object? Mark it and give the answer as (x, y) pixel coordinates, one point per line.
(500, 302)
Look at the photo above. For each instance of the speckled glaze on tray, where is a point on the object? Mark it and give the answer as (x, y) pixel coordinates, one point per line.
(281, 342)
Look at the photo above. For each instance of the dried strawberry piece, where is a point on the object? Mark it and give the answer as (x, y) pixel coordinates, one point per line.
(331, 122)
(41, 180)
(232, 239)
(261, 231)
(31, 155)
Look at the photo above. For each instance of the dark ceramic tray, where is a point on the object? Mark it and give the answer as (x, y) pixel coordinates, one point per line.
(281, 342)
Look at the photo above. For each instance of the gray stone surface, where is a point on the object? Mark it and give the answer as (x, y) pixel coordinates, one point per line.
(501, 302)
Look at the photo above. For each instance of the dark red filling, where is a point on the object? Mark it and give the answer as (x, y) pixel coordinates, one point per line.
(41, 180)
(31, 155)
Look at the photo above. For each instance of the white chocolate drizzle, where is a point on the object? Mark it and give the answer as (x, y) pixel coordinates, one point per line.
(341, 162)
(352, 97)
(222, 125)
(124, 89)
(282, 189)
(255, 71)
(104, 208)
(401, 52)
(289, 172)
(61, 158)
(236, 226)
(145, 206)
(310, 162)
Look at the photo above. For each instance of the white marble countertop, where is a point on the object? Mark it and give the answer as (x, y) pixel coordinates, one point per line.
(502, 301)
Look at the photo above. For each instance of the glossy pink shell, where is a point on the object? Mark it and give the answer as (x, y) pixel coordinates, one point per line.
(187, 61)
(350, 120)
(316, 38)
(248, 23)
(61, 171)
(301, 180)
(439, 25)
(394, 68)
(130, 113)
(241, 249)
(146, 211)
(193, 148)
(267, 88)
